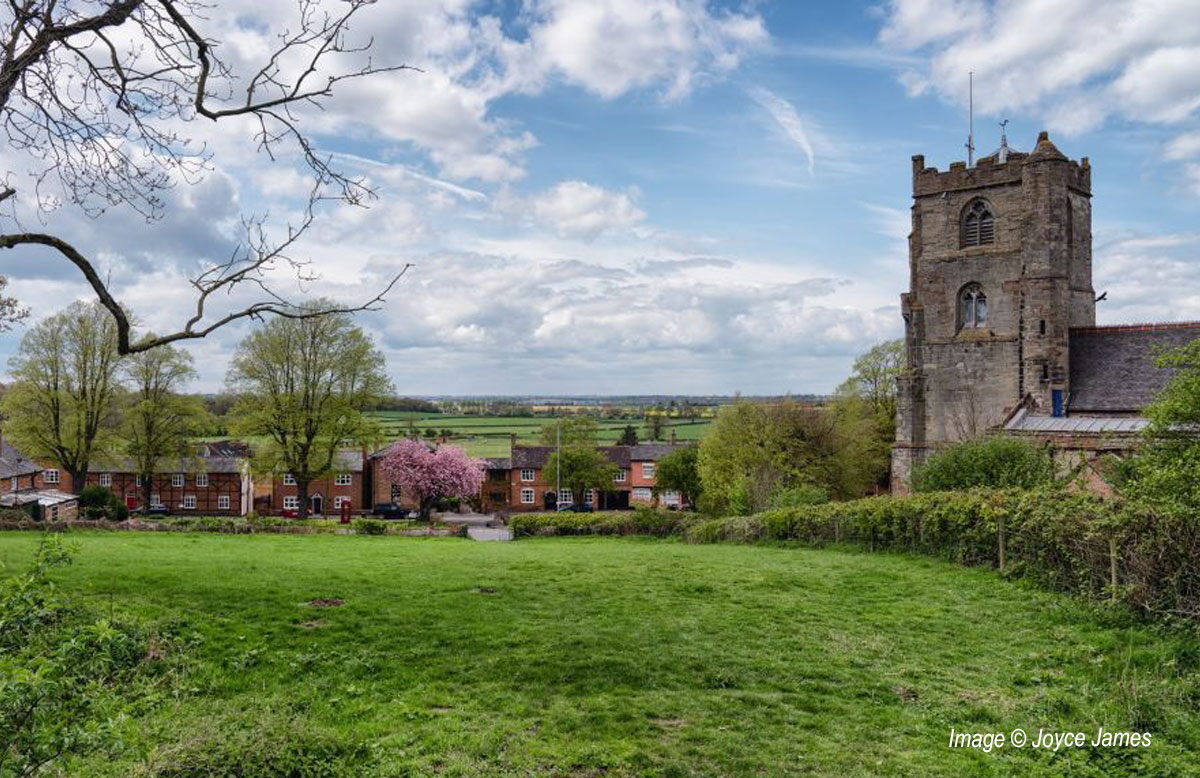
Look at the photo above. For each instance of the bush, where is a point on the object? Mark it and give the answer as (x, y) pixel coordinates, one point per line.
(370, 527)
(643, 520)
(97, 502)
(989, 463)
(792, 496)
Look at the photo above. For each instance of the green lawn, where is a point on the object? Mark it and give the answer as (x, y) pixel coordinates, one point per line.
(610, 657)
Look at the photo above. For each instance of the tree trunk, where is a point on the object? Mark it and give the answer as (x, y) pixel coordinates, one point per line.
(78, 479)
(426, 508)
(302, 493)
(147, 490)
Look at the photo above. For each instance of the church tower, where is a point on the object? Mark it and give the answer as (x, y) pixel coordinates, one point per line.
(1000, 270)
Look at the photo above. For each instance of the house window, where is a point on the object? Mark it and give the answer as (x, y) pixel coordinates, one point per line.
(620, 476)
(342, 479)
(223, 502)
(291, 502)
(339, 501)
(289, 479)
(972, 307)
(527, 474)
(564, 497)
(51, 476)
(647, 470)
(12, 484)
(978, 225)
(189, 502)
(176, 479)
(642, 495)
(527, 496)
(670, 498)
(53, 512)
(106, 479)
(155, 501)
(589, 497)
(201, 479)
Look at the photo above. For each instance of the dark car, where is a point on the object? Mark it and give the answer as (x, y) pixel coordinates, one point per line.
(161, 510)
(390, 510)
(571, 508)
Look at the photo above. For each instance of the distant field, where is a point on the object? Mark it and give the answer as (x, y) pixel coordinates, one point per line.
(488, 436)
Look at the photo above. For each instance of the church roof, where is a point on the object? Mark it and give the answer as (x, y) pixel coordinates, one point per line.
(1113, 369)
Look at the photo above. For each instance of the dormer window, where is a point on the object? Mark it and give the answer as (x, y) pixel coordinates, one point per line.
(972, 307)
(978, 225)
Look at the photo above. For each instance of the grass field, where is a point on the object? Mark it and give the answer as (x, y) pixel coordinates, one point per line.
(488, 436)
(609, 657)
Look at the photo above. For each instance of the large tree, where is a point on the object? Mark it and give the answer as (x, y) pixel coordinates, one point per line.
(428, 473)
(62, 405)
(98, 100)
(874, 379)
(159, 418)
(1167, 470)
(579, 468)
(679, 472)
(302, 385)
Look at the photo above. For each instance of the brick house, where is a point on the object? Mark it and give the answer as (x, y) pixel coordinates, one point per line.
(634, 483)
(199, 485)
(349, 484)
(22, 486)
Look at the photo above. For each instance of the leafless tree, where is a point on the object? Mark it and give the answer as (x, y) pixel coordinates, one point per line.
(99, 95)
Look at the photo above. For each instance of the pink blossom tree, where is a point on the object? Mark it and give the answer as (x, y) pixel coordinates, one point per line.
(430, 474)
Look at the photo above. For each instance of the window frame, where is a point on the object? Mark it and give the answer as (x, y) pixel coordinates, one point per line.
(289, 479)
(528, 496)
(156, 500)
(621, 477)
(532, 475)
(224, 503)
(189, 502)
(178, 480)
(343, 479)
(977, 217)
(50, 475)
(642, 494)
(105, 479)
(968, 307)
(202, 479)
(291, 503)
(339, 500)
(648, 469)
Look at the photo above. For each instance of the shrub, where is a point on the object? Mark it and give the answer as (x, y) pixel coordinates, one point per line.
(97, 502)
(643, 520)
(790, 497)
(370, 527)
(991, 463)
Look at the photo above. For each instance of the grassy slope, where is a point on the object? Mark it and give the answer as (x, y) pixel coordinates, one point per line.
(632, 657)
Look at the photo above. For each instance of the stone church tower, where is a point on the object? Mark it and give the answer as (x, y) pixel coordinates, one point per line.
(1000, 264)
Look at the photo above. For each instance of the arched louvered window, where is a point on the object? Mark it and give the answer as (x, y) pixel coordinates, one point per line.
(972, 307)
(978, 225)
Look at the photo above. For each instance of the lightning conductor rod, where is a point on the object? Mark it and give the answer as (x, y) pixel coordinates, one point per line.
(971, 118)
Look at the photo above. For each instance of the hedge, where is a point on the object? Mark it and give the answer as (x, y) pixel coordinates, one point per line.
(640, 521)
(217, 524)
(1080, 543)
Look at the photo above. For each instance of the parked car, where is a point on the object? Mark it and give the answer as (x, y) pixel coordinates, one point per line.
(161, 510)
(390, 510)
(570, 508)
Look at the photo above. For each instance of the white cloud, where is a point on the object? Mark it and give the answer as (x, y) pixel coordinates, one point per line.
(1073, 62)
(1183, 146)
(577, 209)
(613, 46)
(1148, 277)
(788, 119)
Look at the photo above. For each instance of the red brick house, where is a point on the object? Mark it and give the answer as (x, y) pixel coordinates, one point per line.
(199, 486)
(348, 484)
(22, 486)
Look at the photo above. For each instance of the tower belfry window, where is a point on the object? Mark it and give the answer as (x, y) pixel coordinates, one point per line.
(972, 307)
(978, 226)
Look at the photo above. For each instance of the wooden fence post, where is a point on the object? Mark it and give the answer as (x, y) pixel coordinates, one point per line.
(1002, 539)
(837, 530)
(1112, 566)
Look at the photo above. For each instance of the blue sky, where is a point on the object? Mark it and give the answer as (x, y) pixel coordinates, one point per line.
(674, 196)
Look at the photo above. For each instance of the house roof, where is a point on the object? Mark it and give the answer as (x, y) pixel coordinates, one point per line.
(227, 448)
(170, 465)
(14, 463)
(536, 456)
(497, 463)
(1113, 369)
(41, 497)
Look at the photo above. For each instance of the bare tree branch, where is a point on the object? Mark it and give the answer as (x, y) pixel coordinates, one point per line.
(96, 91)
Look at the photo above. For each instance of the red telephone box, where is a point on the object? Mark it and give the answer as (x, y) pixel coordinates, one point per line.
(346, 512)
